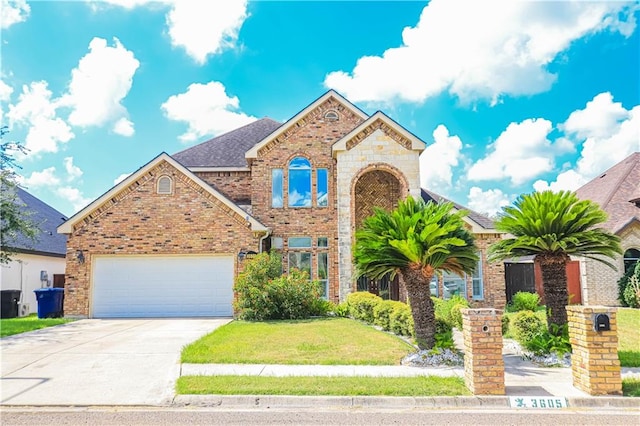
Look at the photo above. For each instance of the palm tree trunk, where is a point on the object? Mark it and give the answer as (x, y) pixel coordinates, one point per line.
(424, 319)
(554, 284)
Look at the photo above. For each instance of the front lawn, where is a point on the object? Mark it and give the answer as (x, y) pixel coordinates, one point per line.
(352, 386)
(628, 337)
(10, 326)
(324, 341)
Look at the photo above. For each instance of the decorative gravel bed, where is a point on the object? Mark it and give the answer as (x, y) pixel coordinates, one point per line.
(434, 358)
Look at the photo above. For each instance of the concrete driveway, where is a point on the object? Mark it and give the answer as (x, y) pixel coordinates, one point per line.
(98, 362)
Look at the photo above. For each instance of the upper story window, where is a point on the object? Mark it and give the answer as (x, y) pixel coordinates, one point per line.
(331, 116)
(299, 182)
(164, 185)
(322, 187)
(276, 188)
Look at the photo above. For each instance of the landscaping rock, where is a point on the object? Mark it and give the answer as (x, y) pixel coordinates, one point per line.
(433, 358)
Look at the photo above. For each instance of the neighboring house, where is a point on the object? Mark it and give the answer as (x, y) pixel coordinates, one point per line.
(170, 239)
(617, 191)
(38, 263)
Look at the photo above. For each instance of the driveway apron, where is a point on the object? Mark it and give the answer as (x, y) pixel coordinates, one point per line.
(98, 362)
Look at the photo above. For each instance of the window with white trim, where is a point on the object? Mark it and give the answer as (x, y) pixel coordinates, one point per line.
(453, 284)
(477, 284)
(300, 260)
(323, 275)
(299, 183)
(276, 188)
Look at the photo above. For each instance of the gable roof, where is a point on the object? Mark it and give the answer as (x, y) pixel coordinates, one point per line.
(227, 150)
(47, 219)
(482, 221)
(253, 152)
(342, 144)
(67, 227)
(615, 191)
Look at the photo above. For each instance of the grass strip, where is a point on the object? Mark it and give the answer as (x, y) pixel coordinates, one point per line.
(628, 337)
(11, 326)
(323, 341)
(631, 387)
(314, 386)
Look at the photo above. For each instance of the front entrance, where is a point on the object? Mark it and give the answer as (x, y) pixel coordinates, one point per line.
(386, 288)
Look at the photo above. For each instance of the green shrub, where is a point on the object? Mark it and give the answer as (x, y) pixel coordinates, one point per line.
(449, 310)
(524, 301)
(629, 286)
(505, 324)
(341, 309)
(382, 312)
(545, 342)
(264, 294)
(444, 335)
(524, 325)
(361, 305)
(401, 320)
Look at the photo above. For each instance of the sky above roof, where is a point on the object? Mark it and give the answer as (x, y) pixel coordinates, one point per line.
(510, 97)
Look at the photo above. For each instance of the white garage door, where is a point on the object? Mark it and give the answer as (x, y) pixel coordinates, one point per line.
(150, 286)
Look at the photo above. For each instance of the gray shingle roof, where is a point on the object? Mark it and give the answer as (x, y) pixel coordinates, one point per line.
(614, 190)
(227, 150)
(481, 220)
(48, 241)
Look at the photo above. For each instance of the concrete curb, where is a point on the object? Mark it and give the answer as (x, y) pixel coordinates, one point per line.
(284, 401)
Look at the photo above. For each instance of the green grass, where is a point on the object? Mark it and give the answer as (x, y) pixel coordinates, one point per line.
(628, 337)
(324, 341)
(631, 387)
(10, 326)
(352, 386)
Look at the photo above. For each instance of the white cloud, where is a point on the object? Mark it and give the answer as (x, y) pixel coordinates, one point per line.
(13, 12)
(121, 178)
(123, 127)
(73, 171)
(206, 28)
(607, 132)
(73, 196)
(5, 91)
(46, 177)
(201, 28)
(489, 202)
(479, 50)
(98, 85)
(439, 158)
(207, 109)
(36, 109)
(521, 152)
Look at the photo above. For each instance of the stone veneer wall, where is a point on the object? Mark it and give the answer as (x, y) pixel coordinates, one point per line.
(599, 282)
(594, 359)
(376, 150)
(311, 137)
(138, 221)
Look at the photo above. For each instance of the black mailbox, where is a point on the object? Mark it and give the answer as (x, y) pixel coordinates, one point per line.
(601, 322)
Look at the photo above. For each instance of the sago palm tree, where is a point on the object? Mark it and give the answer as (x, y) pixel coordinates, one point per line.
(414, 241)
(553, 226)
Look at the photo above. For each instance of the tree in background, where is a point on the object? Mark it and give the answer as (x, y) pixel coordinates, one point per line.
(552, 226)
(416, 240)
(14, 220)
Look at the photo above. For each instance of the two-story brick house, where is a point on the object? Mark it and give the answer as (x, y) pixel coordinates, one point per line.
(170, 239)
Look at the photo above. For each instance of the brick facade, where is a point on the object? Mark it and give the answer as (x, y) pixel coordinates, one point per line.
(235, 185)
(594, 359)
(139, 221)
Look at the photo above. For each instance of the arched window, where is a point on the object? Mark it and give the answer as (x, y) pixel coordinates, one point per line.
(299, 182)
(631, 257)
(165, 185)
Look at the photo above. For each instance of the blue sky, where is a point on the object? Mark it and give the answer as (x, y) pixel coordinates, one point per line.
(510, 97)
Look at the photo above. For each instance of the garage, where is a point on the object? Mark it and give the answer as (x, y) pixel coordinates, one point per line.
(162, 286)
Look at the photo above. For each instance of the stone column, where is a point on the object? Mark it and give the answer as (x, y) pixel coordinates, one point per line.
(483, 362)
(594, 359)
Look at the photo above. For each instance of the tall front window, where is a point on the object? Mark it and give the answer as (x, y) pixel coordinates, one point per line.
(299, 182)
(631, 257)
(323, 277)
(453, 284)
(276, 188)
(478, 285)
(301, 261)
(322, 187)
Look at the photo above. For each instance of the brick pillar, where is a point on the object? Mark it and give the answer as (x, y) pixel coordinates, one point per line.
(594, 359)
(483, 362)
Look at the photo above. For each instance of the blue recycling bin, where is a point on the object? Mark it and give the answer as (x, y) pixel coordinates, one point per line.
(49, 302)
